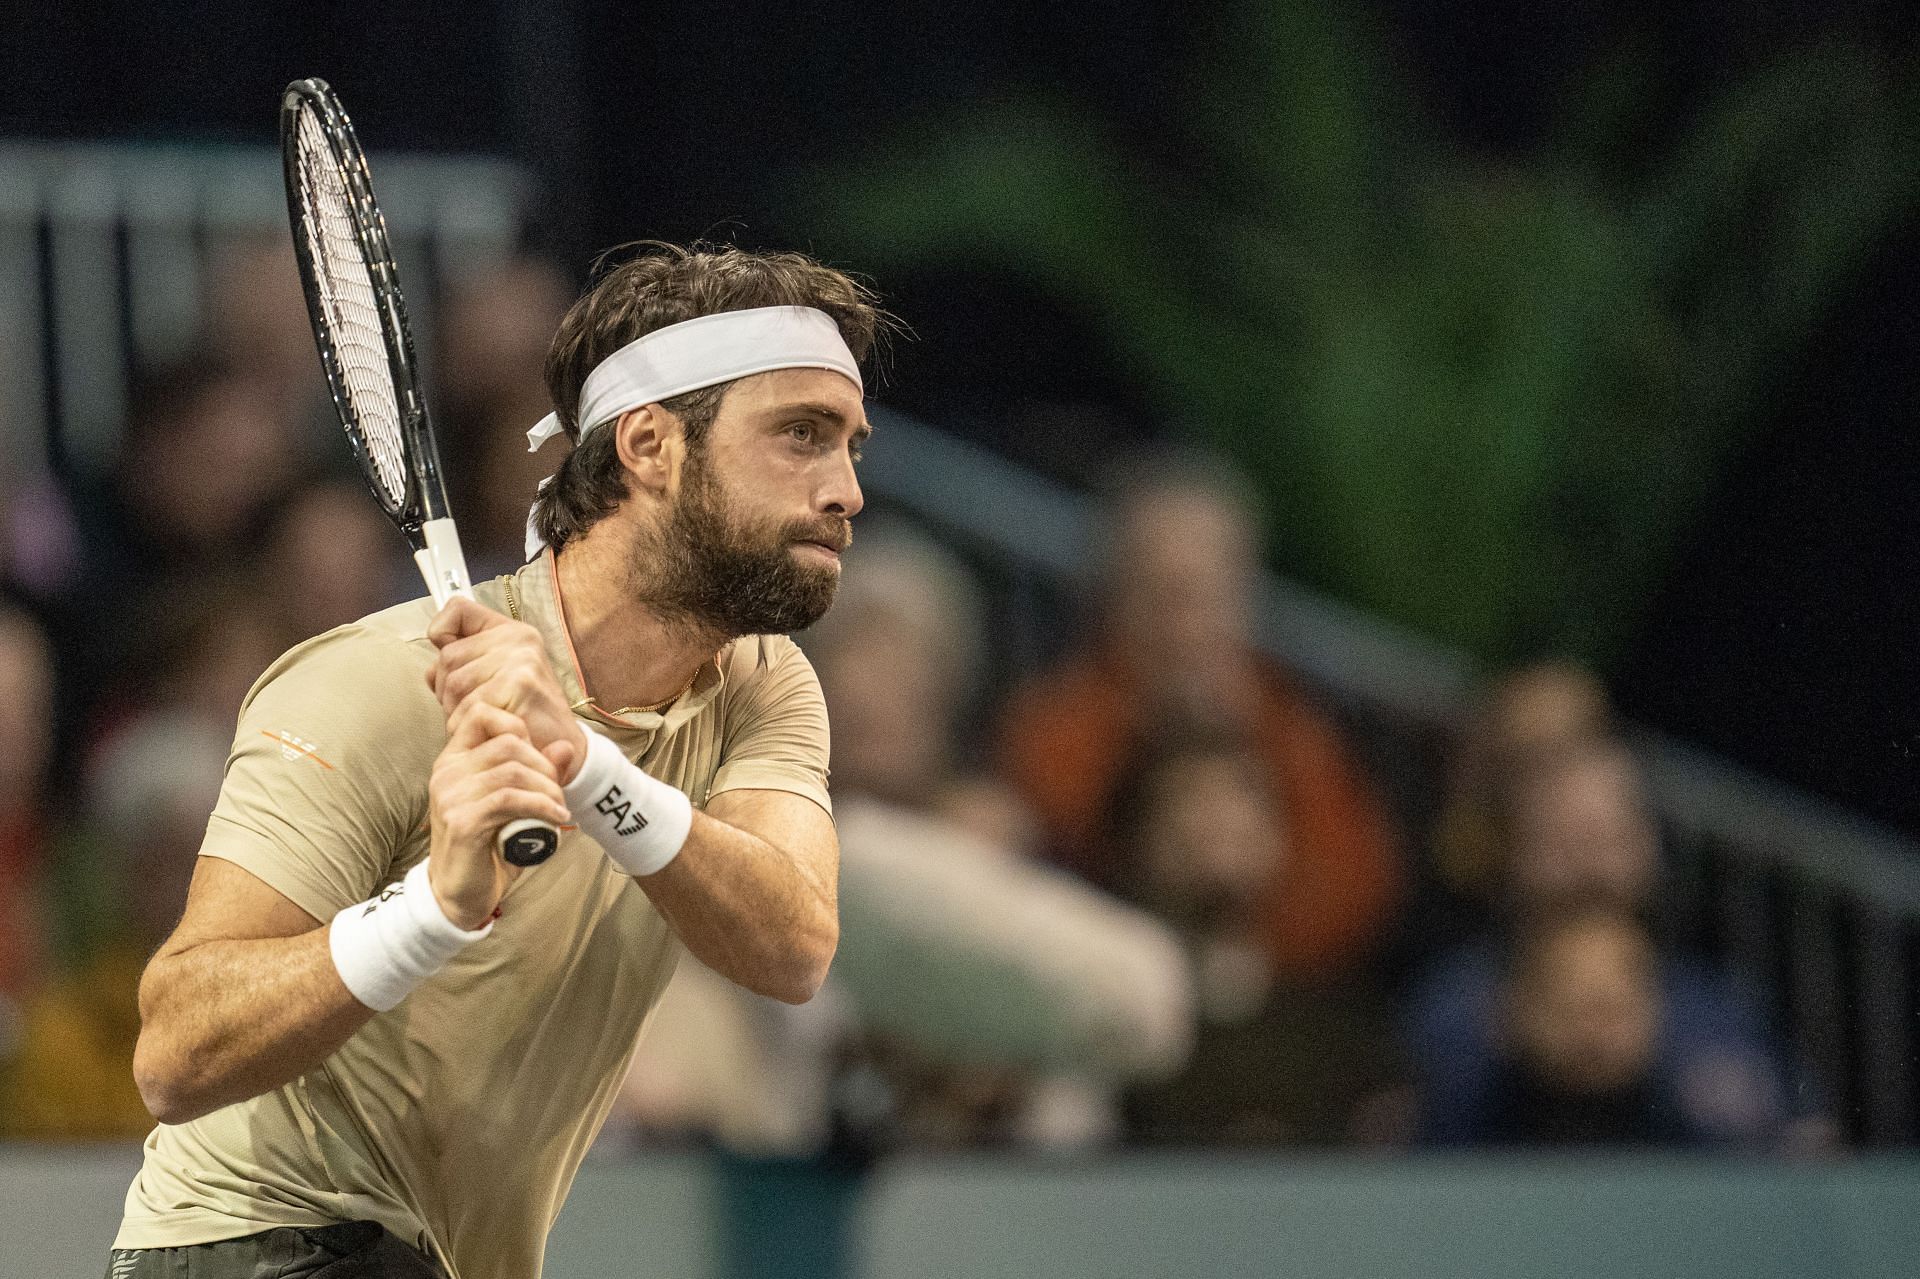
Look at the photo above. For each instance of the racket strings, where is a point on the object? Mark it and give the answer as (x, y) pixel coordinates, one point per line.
(352, 309)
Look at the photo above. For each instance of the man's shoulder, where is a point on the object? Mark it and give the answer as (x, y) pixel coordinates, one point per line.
(377, 664)
(394, 638)
(406, 622)
(763, 673)
(765, 663)
(752, 655)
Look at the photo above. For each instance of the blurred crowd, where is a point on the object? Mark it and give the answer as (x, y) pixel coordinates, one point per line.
(1148, 891)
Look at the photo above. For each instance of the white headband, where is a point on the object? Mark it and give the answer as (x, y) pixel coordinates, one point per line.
(701, 352)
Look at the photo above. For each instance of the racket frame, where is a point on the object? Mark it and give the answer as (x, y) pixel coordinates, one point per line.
(421, 510)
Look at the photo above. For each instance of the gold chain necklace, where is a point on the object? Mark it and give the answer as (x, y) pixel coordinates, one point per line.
(660, 705)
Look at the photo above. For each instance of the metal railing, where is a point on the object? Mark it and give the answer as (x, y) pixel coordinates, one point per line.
(106, 249)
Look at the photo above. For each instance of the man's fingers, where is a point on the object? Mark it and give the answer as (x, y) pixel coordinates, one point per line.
(460, 618)
(512, 688)
(504, 635)
(475, 721)
(510, 747)
(560, 754)
(471, 782)
(458, 684)
(488, 813)
(518, 775)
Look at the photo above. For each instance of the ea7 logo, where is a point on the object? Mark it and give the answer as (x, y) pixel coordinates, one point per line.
(626, 819)
(294, 747)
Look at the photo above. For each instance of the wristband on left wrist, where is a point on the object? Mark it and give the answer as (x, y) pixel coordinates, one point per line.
(640, 821)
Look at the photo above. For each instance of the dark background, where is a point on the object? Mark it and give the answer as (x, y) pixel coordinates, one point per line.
(1781, 631)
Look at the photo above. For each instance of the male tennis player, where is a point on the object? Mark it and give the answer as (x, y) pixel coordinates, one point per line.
(373, 1046)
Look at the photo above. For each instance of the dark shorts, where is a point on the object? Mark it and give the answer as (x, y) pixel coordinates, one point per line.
(351, 1250)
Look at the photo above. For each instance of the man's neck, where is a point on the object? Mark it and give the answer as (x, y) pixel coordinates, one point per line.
(629, 655)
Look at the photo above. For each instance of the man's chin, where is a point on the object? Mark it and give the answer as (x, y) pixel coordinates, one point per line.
(802, 603)
(820, 600)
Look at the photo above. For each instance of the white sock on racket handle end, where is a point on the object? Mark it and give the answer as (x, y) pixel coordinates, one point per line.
(641, 822)
(385, 946)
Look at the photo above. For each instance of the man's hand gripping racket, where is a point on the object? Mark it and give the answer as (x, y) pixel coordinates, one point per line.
(360, 326)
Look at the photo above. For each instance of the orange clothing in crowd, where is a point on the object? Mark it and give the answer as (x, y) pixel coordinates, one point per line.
(1068, 738)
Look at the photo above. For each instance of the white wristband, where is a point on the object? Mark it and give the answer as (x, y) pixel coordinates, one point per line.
(386, 946)
(641, 822)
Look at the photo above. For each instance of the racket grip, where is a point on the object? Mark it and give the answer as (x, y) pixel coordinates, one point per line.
(528, 841)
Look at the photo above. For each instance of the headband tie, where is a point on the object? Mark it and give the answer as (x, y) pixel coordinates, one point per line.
(693, 354)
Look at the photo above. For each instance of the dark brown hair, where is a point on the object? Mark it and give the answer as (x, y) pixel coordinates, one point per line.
(665, 285)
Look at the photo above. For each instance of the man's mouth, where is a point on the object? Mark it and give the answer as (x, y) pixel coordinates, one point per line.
(830, 543)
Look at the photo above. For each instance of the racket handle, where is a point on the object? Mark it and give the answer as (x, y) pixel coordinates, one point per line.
(528, 841)
(441, 562)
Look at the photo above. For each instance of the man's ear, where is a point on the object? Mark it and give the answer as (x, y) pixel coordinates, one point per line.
(640, 438)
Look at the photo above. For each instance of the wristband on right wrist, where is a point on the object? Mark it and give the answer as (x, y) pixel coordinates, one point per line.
(387, 945)
(641, 822)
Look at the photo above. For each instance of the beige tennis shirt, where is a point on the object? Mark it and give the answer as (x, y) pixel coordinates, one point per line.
(456, 1120)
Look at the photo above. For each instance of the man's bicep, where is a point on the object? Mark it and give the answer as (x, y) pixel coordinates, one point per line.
(794, 824)
(229, 903)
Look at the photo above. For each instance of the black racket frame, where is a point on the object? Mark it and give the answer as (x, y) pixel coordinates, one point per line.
(425, 496)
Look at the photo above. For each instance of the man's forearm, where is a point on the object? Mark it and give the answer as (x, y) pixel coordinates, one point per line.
(748, 911)
(222, 1021)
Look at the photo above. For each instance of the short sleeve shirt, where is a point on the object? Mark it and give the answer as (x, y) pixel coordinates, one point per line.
(458, 1118)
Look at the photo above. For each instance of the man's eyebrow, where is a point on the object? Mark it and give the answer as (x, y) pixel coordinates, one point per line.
(831, 414)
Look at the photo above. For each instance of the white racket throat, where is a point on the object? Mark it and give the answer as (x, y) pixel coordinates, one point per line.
(441, 562)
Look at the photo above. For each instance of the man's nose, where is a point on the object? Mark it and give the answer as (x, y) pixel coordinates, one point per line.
(840, 493)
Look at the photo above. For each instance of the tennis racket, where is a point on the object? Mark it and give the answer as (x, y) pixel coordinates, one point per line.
(360, 325)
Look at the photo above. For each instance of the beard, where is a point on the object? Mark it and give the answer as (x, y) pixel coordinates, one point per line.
(710, 569)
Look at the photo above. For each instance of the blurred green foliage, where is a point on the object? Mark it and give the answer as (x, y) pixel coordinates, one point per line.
(1483, 397)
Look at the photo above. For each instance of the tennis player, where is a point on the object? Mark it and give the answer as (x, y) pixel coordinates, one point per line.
(373, 1046)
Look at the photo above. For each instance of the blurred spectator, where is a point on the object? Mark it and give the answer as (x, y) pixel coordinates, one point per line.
(257, 321)
(1578, 825)
(150, 792)
(1580, 1059)
(1581, 1015)
(974, 989)
(160, 749)
(38, 544)
(1530, 712)
(331, 558)
(207, 449)
(200, 646)
(494, 332)
(207, 453)
(1175, 645)
(39, 538)
(1578, 836)
(1198, 839)
(26, 711)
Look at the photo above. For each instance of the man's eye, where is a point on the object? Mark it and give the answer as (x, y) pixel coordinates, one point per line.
(801, 431)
